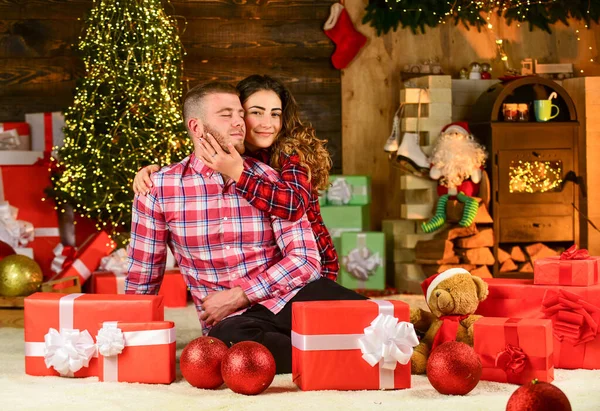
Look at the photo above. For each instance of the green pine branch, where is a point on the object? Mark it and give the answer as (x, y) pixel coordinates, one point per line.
(386, 15)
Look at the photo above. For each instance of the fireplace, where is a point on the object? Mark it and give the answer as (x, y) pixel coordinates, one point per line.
(529, 164)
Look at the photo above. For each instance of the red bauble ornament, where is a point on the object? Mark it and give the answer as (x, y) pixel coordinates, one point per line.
(5, 250)
(538, 396)
(200, 362)
(248, 368)
(454, 368)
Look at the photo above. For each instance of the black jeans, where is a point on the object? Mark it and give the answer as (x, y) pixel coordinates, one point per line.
(274, 330)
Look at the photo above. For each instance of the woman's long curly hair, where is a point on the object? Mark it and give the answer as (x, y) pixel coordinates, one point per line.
(294, 137)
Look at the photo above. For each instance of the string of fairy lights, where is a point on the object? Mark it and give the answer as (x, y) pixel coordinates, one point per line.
(474, 6)
(479, 8)
(534, 176)
(126, 111)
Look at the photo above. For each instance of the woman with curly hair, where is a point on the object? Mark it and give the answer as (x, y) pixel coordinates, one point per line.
(276, 136)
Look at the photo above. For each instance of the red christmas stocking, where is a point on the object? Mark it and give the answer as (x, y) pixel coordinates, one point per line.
(348, 41)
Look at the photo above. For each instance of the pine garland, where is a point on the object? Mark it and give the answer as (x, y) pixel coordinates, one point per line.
(384, 15)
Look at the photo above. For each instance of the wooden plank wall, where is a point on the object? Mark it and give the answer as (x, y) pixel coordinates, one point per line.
(371, 83)
(224, 39)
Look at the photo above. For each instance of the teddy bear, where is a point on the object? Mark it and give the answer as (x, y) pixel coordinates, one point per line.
(452, 297)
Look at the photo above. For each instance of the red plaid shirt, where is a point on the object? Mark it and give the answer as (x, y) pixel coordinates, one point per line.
(289, 199)
(218, 239)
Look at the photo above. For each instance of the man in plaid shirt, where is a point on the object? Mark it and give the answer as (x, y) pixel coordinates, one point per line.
(244, 267)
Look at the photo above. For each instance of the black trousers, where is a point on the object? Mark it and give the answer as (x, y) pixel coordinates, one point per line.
(274, 330)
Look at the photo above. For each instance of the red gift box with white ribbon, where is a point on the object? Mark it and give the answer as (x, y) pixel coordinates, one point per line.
(88, 257)
(352, 345)
(34, 207)
(60, 328)
(142, 352)
(46, 130)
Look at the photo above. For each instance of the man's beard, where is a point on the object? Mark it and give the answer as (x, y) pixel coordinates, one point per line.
(222, 140)
(457, 159)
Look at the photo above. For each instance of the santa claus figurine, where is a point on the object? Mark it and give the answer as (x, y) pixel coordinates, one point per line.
(457, 162)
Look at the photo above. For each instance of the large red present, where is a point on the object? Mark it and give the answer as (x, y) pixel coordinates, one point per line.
(173, 287)
(33, 207)
(89, 256)
(352, 345)
(574, 311)
(55, 322)
(141, 352)
(572, 267)
(514, 350)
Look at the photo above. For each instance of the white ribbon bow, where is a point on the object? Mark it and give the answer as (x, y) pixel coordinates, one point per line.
(60, 258)
(117, 262)
(340, 192)
(388, 342)
(15, 233)
(68, 351)
(9, 140)
(360, 263)
(110, 340)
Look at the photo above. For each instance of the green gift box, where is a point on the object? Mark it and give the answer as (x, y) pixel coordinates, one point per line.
(322, 198)
(349, 190)
(362, 265)
(339, 219)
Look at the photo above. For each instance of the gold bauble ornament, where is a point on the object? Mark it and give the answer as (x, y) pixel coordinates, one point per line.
(19, 276)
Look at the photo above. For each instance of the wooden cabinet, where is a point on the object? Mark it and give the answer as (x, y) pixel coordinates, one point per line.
(530, 165)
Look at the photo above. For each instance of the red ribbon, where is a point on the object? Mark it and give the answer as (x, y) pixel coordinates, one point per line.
(574, 254)
(448, 330)
(513, 360)
(574, 320)
(48, 132)
(565, 267)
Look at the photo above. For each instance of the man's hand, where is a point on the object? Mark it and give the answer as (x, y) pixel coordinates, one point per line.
(219, 305)
(230, 164)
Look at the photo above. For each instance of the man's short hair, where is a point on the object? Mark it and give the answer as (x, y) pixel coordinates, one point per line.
(192, 103)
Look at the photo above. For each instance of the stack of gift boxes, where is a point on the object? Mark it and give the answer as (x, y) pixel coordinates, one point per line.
(107, 336)
(29, 223)
(531, 327)
(346, 214)
(24, 146)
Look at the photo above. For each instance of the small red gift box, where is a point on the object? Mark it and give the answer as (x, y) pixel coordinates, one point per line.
(336, 345)
(575, 316)
(514, 350)
(27, 198)
(573, 267)
(136, 352)
(89, 256)
(54, 322)
(173, 287)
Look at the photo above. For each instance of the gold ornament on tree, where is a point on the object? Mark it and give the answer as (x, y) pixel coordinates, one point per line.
(19, 276)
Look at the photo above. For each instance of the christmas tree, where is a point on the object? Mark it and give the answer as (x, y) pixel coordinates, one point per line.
(126, 111)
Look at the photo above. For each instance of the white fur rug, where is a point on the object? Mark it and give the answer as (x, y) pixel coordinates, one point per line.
(23, 392)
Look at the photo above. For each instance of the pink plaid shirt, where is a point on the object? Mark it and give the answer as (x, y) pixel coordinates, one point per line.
(219, 240)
